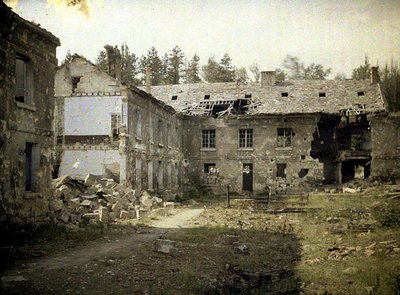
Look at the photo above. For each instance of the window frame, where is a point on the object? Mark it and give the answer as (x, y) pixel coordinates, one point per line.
(281, 139)
(246, 138)
(208, 137)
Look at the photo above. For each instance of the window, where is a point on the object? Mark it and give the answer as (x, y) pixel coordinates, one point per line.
(174, 97)
(23, 79)
(160, 131)
(209, 167)
(247, 95)
(284, 94)
(360, 93)
(32, 159)
(246, 138)
(138, 115)
(284, 137)
(281, 170)
(75, 81)
(322, 94)
(207, 96)
(208, 138)
(169, 134)
(115, 123)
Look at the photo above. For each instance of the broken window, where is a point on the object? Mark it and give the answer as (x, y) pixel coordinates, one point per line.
(138, 115)
(281, 170)
(21, 79)
(207, 96)
(303, 172)
(284, 94)
(208, 167)
(360, 93)
(208, 138)
(32, 157)
(245, 138)
(322, 94)
(115, 123)
(174, 97)
(75, 81)
(284, 137)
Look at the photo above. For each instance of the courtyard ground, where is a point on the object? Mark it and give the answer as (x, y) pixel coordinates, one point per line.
(339, 243)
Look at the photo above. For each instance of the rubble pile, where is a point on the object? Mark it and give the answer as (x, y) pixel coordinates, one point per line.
(96, 200)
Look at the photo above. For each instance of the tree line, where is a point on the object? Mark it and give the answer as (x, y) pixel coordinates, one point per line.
(175, 68)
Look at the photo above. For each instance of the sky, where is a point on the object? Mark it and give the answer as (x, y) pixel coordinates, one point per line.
(337, 34)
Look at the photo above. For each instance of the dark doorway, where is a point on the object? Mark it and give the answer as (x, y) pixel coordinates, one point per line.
(355, 169)
(28, 166)
(248, 177)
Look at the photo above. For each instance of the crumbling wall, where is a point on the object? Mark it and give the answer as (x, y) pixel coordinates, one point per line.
(26, 136)
(385, 135)
(302, 171)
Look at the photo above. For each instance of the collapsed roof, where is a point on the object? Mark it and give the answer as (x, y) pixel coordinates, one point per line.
(288, 97)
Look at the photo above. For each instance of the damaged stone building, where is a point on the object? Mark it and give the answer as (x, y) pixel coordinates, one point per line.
(284, 137)
(28, 64)
(109, 129)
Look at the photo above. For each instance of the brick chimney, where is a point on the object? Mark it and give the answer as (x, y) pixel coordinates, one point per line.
(113, 61)
(374, 75)
(267, 78)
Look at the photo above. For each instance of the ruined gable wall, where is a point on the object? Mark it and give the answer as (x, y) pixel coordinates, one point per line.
(264, 155)
(23, 122)
(385, 134)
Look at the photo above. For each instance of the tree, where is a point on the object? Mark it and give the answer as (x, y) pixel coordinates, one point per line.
(294, 67)
(226, 70)
(67, 58)
(280, 75)
(155, 64)
(241, 75)
(255, 70)
(362, 72)
(165, 68)
(340, 76)
(316, 72)
(390, 76)
(129, 66)
(175, 67)
(101, 61)
(192, 72)
(211, 71)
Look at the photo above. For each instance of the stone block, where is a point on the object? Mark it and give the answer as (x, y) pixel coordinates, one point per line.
(104, 215)
(65, 216)
(124, 214)
(165, 246)
(56, 205)
(91, 216)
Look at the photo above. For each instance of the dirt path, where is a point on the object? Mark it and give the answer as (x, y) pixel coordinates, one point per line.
(100, 254)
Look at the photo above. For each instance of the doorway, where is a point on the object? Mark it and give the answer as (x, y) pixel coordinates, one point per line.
(247, 177)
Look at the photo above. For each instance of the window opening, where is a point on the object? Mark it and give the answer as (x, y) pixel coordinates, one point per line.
(208, 138)
(281, 170)
(245, 138)
(284, 137)
(75, 81)
(21, 78)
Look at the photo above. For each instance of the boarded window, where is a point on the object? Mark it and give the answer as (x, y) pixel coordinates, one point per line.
(281, 170)
(284, 139)
(208, 138)
(245, 138)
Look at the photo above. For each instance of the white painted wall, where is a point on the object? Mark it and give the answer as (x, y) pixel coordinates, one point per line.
(90, 115)
(79, 163)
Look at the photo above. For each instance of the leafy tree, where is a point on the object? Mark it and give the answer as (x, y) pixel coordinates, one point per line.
(390, 76)
(362, 72)
(211, 71)
(294, 67)
(226, 70)
(175, 68)
(316, 72)
(67, 58)
(255, 70)
(241, 75)
(192, 72)
(340, 76)
(101, 61)
(280, 75)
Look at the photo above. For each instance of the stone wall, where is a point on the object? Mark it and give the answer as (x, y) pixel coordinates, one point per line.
(26, 137)
(301, 171)
(385, 135)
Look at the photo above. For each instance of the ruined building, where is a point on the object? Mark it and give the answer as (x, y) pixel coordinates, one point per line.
(288, 136)
(28, 64)
(279, 137)
(113, 130)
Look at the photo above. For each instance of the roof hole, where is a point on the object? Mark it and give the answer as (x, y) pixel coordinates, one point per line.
(322, 94)
(360, 93)
(247, 95)
(174, 97)
(285, 94)
(207, 96)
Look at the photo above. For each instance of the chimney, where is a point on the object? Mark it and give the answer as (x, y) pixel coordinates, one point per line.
(148, 80)
(267, 78)
(374, 75)
(113, 61)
